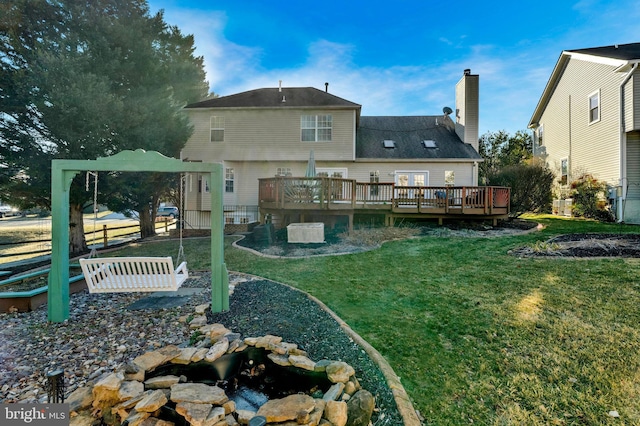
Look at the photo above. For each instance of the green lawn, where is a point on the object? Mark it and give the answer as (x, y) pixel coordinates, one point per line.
(477, 335)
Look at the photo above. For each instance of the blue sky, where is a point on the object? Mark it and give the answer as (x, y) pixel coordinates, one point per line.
(402, 57)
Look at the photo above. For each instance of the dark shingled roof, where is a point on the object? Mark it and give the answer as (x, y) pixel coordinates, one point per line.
(273, 98)
(408, 134)
(625, 52)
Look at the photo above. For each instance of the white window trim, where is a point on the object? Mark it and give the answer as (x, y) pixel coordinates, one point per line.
(283, 171)
(540, 135)
(591, 95)
(413, 172)
(446, 175)
(561, 174)
(211, 127)
(232, 179)
(332, 170)
(316, 127)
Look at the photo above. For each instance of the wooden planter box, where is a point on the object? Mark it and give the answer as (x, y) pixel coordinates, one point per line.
(25, 301)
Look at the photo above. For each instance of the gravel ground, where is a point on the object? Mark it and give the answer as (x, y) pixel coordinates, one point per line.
(102, 334)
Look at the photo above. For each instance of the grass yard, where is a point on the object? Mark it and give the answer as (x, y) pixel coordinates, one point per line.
(476, 335)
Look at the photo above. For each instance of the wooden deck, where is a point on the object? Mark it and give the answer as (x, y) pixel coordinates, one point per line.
(335, 196)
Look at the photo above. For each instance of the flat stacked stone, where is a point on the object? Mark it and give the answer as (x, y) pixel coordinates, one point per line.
(133, 396)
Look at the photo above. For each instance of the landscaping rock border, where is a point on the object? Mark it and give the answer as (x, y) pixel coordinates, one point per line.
(130, 395)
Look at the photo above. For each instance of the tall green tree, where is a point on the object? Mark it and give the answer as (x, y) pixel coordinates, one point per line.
(87, 80)
(508, 161)
(500, 150)
(490, 147)
(518, 150)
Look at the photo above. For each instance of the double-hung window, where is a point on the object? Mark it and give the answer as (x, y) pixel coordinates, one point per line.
(594, 107)
(374, 179)
(217, 129)
(283, 171)
(564, 171)
(540, 135)
(203, 185)
(229, 178)
(316, 128)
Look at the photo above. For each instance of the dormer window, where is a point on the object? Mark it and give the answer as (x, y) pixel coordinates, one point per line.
(389, 144)
(429, 143)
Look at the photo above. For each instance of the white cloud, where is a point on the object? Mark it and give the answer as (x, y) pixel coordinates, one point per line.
(223, 60)
(511, 81)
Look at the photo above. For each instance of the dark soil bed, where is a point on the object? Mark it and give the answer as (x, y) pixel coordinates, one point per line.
(368, 238)
(584, 245)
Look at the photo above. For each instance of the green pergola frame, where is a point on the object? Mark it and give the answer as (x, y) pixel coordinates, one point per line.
(63, 172)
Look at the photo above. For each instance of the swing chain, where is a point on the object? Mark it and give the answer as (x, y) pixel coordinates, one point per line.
(93, 253)
(181, 257)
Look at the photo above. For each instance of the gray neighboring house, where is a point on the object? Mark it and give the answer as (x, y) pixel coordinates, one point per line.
(271, 132)
(588, 121)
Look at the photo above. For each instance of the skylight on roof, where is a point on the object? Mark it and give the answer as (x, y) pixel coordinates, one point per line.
(387, 143)
(429, 143)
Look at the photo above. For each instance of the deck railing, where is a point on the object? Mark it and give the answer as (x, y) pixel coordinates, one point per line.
(337, 193)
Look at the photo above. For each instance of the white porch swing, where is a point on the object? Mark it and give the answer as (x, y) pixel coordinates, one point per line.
(133, 274)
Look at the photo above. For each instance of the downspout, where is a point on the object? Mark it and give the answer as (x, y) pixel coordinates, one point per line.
(569, 177)
(475, 174)
(623, 147)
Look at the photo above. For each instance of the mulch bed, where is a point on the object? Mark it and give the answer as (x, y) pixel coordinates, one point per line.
(585, 245)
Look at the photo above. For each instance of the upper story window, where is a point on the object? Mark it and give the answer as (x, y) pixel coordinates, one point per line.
(539, 135)
(316, 128)
(217, 129)
(594, 107)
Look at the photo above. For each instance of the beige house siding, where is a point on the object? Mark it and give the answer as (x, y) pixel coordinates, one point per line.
(463, 172)
(467, 114)
(590, 148)
(632, 203)
(554, 121)
(247, 175)
(268, 134)
(632, 104)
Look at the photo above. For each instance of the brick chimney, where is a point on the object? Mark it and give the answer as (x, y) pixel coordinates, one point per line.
(467, 108)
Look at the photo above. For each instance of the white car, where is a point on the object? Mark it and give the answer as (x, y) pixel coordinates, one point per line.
(8, 211)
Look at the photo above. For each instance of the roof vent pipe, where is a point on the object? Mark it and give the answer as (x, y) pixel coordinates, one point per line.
(279, 85)
(467, 71)
(326, 87)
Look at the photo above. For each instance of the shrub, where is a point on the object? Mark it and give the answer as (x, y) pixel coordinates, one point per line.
(587, 193)
(530, 187)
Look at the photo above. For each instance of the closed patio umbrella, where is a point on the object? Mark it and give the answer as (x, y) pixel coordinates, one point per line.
(311, 166)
